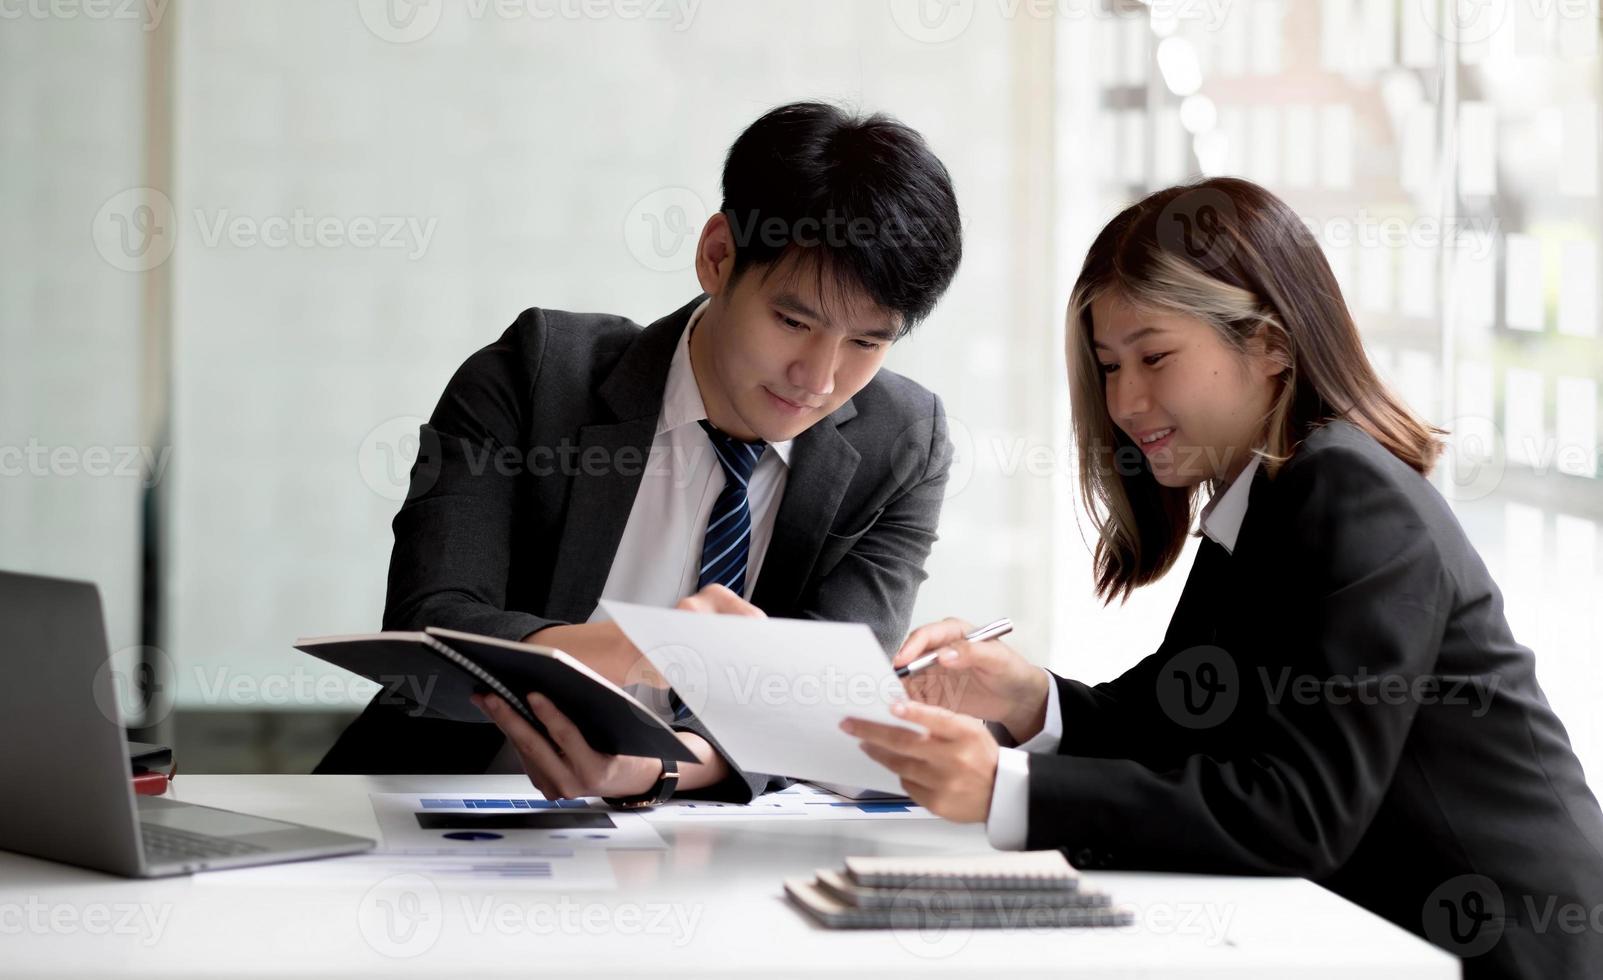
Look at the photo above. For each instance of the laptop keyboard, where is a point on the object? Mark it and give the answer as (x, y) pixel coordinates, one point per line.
(169, 844)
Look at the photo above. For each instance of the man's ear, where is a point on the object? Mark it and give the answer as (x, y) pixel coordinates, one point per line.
(715, 255)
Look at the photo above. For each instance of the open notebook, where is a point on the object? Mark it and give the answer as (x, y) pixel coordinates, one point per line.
(433, 673)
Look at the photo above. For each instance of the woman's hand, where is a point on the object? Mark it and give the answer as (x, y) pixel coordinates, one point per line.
(949, 769)
(987, 680)
(577, 769)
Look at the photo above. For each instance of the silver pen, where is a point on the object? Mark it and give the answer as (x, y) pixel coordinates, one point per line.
(991, 631)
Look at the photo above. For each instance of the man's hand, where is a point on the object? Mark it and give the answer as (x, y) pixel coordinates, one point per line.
(600, 646)
(565, 766)
(717, 599)
(987, 680)
(949, 769)
(605, 649)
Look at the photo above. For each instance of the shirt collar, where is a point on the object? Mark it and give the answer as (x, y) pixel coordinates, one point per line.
(1222, 517)
(681, 397)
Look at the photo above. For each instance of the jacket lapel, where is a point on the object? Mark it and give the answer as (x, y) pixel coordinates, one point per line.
(1256, 519)
(822, 463)
(601, 496)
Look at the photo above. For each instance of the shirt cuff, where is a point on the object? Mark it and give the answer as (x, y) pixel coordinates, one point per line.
(1051, 734)
(1007, 826)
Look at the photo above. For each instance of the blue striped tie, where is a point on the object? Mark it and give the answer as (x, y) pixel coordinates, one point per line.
(726, 547)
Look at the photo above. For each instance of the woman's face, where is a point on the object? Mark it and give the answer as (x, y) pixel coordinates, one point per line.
(1194, 405)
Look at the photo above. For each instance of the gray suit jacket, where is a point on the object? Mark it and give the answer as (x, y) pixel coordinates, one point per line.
(524, 481)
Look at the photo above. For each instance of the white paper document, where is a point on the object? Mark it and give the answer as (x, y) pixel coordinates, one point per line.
(773, 692)
(796, 802)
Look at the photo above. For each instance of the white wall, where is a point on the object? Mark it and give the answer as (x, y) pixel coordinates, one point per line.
(528, 146)
(71, 110)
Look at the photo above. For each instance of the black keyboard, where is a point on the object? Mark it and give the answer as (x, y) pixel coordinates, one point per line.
(169, 844)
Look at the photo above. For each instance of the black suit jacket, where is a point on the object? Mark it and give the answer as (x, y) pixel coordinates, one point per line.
(523, 485)
(1341, 699)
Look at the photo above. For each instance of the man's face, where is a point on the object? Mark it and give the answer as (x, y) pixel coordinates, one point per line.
(776, 353)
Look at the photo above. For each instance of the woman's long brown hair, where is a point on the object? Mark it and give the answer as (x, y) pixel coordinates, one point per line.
(1235, 256)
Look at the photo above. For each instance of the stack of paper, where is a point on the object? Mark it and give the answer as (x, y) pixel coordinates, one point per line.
(1031, 889)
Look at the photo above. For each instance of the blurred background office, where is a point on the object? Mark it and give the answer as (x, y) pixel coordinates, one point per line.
(246, 242)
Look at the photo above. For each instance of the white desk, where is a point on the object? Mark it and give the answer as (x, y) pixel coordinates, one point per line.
(710, 904)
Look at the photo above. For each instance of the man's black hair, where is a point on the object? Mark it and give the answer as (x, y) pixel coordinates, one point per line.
(860, 198)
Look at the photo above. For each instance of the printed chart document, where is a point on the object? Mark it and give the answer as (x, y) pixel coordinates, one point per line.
(774, 691)
(798, 801)
(518, 841)
(451, 825)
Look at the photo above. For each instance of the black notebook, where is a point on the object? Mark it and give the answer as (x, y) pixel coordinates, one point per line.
(433, 674)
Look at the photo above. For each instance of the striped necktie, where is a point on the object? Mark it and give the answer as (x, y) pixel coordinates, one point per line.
(727, 545)
(726, 548)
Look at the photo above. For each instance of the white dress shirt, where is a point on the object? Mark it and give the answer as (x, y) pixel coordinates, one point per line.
(1007, 827)
(658, 561)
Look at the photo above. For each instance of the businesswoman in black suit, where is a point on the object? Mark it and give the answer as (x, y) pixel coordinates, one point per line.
(1338, 695)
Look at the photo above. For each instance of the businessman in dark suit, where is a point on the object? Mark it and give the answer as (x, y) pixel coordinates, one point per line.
(745, 453)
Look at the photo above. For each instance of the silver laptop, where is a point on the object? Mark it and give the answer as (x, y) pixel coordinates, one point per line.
(64, 761)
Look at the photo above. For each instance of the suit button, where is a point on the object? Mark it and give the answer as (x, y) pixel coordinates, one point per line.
(1082, 858)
